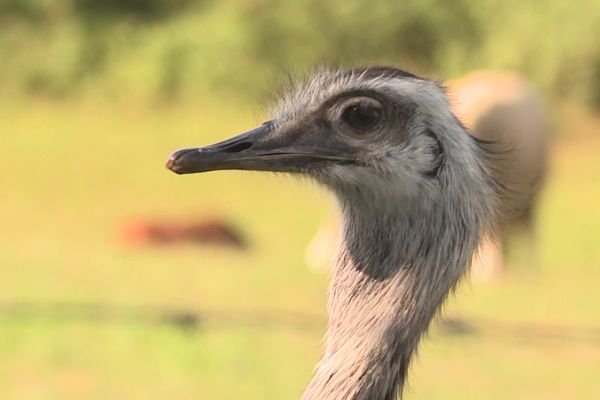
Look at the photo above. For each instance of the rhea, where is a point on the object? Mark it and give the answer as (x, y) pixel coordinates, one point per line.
(416, 195)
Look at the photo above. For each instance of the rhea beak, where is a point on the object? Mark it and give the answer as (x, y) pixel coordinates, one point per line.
(258, 149)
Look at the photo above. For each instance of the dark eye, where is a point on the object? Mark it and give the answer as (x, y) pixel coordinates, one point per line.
(363, 115)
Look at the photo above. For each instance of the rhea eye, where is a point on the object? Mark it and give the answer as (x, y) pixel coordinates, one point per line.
(363, 115)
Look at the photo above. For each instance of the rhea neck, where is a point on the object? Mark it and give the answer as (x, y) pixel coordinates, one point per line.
(397, 262)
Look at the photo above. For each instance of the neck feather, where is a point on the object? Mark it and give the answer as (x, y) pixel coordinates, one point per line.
(393, 271)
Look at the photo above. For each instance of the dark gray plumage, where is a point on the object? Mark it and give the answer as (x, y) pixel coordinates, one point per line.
(416, 197)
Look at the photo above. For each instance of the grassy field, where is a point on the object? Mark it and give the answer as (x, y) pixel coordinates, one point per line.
(73, 173)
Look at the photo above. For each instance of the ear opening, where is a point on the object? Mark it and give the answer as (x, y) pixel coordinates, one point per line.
(438, 154)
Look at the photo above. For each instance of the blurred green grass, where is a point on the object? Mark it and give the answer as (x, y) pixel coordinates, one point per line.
(73, 172)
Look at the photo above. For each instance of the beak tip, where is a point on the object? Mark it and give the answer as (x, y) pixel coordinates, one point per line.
(171, 164)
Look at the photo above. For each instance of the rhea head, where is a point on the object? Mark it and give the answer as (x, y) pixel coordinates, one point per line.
(362, 128)
(416, 196)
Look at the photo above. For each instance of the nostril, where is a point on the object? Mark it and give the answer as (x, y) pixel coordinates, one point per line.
(237, 147)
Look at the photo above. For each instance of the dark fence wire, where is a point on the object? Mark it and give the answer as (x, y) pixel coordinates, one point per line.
(192, 320)
(186, 319)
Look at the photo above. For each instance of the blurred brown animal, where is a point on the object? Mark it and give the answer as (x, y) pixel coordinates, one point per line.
(503, 108)
(206, 231)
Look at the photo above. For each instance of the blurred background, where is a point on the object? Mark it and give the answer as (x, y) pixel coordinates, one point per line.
(119, 279)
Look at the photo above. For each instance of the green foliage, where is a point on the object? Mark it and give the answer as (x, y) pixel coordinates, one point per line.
(360, 31)
(142, 10)
(168, 48)
(23, 10)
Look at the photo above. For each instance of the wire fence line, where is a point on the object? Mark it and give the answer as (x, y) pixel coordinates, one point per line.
(192, 320)
(186, 319)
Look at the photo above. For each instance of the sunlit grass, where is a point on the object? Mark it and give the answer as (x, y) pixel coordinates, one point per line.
(73, 173)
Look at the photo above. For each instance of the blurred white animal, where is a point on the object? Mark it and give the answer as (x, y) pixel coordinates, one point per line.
(503, 108)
